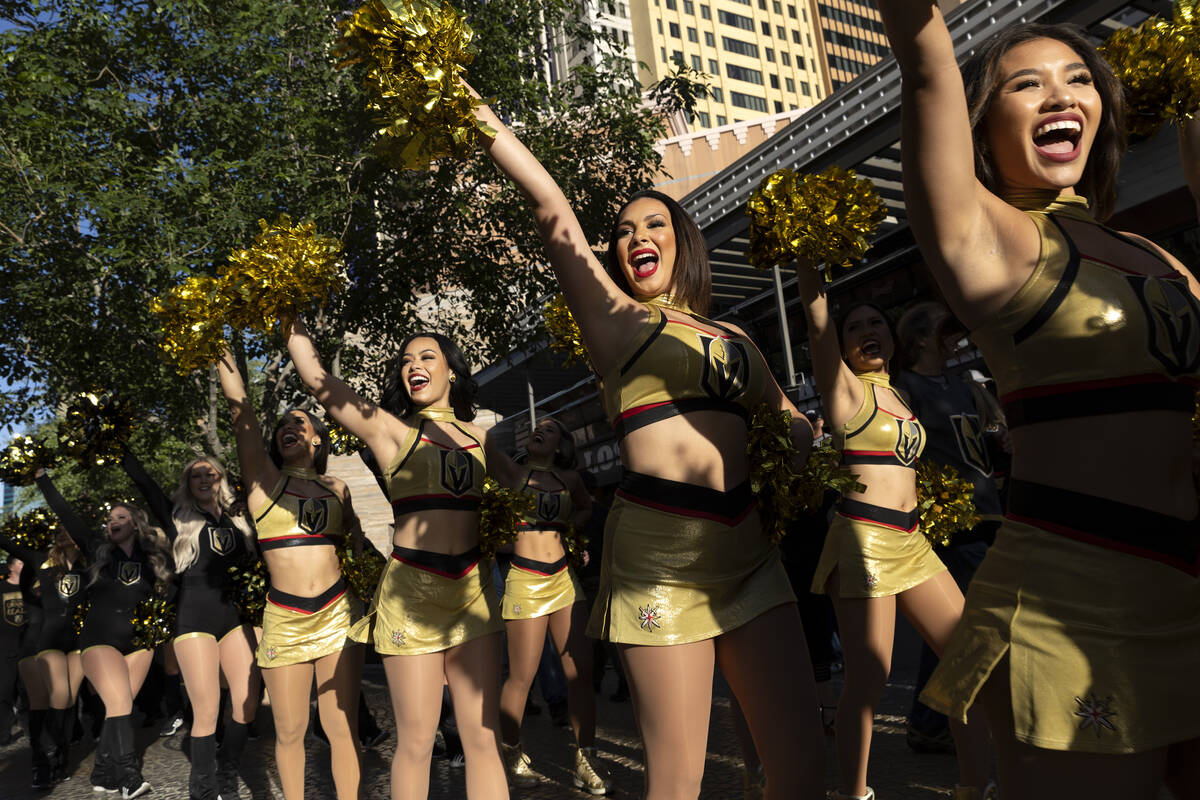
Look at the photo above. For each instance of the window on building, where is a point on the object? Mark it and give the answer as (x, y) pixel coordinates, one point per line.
(778, 106)
(777, 7)
(766, 28)
(762, 4)
(774, 81)
(688, 7)
(674, 26)
(692, 35)
(854, 43)
(785, 58)
(662, 51)
(791, 106)
(770, 55)
(792, 12)
(780, 33)
(705, 12)
(704, 119)
(659, 21)
(709, 39)
(717, 95)
(796, 37)
(625, 38)
(749, 101)
(713, 67)
(790, 85)
(804, 14)
(720, 120)
(849, 18)
(805, 89)
(671, 5)
(743, 74)
(739, 47)
(800, 62)
(808, 36)
(735, 20)
(696, 63)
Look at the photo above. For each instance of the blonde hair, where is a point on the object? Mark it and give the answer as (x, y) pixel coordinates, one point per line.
(59, 557)
(190, 521)
(154, 543)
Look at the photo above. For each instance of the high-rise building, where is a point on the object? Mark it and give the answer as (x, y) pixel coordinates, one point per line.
(8, 498)
(762, 54)
(610, 20)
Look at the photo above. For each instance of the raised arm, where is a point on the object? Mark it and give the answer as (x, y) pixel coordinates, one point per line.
(500, 465)
(1189, 155)
(980, 248)
(259, 474)
(160, 505)
(34, 558)
(86, 536)
(607, 316)
(841, 392)
(381, 431)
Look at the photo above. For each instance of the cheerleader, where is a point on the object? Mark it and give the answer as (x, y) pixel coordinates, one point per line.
(1081, 635)
(541, 593)
(54, 676)
(434, 618)
(208, 536)
(875, 559)
(689, 579)
(301, 515)
(130, 562)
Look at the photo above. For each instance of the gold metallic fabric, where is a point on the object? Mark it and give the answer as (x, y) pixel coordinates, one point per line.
(528, 595)
(673, 579)
(874, 560)
(1103, 647)
(417, 611)
(293, 637)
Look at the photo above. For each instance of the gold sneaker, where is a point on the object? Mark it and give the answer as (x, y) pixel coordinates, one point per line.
(517, 766)
(589, 774)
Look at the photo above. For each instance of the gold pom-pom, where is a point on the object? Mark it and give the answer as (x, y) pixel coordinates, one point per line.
(247, 589)
(1159, 65)
(818, 220)
(576, 544)
(341, 441)
(33, 529)
(22, 458)
(95, 428)
(945, 502)
(288, 269)
(191, 318)
(773, 478)
(415, 52)
(153, 622)
(500, 515)
(822, 472)
(362, 572)
(564, 331)
(79, 614)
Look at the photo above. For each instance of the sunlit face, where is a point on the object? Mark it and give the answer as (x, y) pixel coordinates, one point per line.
(121, 527)
(867, 341)
(296, 439)
(203, 480)
(1043, 119)
(646, 247)
(543, 442)
(426, 373)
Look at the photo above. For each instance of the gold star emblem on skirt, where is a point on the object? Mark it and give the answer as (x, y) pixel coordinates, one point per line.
(649, 617)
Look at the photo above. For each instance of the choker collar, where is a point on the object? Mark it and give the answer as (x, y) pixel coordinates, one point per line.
(539, 467)
(437, 414)
(1048, 201)
(307, 473)
(667, 301)
(877, 378)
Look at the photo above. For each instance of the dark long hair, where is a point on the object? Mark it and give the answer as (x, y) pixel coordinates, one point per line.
(564, 454)
(691, 281)
(395, 398)
(845, 315)
(982, 79)
(320, 458)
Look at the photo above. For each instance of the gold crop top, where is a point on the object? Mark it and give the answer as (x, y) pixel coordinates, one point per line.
(878, 435)
(293, 519)
(551, 510)
(1085, 336)
(427, 474)
(675, 368)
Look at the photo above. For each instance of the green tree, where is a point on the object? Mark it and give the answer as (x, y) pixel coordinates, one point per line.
(140, 142)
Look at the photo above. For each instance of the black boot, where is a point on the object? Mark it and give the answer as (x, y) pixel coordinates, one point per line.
(58, 722)
(42, 758)
(202, 785)
(229, 757)
(127, 763)
(104, 778)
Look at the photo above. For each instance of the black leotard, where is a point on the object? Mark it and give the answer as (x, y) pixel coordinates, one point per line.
(61, 590)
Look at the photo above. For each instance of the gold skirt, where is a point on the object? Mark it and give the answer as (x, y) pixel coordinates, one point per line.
(418, 611)
(673, 578)
(874, 559)
(529, 593)
(1103, 647)
(293, 635)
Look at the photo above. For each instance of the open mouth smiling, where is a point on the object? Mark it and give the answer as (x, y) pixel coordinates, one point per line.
(1058, 137)
(417, 382)
(871, 348)
(644, 262)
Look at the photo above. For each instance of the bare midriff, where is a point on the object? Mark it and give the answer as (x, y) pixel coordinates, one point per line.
(446, 531)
